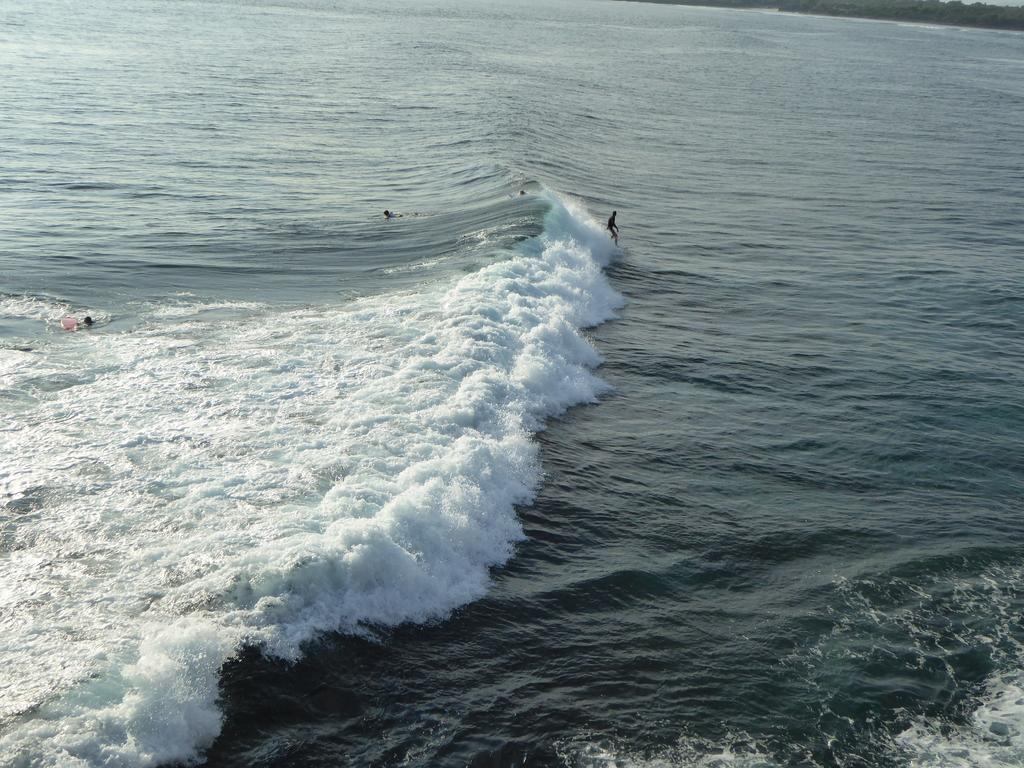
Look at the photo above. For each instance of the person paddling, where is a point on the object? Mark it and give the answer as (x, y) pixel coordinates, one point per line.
(69, 323)
(613, 228)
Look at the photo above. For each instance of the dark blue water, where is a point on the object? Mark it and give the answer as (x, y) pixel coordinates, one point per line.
(267, 512)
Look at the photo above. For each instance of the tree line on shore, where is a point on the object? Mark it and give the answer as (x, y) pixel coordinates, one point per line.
(932, 11)
(927, 11)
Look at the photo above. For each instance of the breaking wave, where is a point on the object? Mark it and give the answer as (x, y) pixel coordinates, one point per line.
(229, 476)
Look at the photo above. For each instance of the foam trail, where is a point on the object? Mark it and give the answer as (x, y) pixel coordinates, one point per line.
(993, 737)
(688, 752)
(193, 486)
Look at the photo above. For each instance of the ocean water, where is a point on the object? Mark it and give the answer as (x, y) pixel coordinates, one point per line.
(473, 486)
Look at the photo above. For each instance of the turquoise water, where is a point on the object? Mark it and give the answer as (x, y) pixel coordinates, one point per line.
(472, 486)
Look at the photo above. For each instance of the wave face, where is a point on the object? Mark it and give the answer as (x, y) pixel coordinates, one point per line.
(226, 476)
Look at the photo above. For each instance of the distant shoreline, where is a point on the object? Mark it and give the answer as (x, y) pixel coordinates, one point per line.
(954, 13)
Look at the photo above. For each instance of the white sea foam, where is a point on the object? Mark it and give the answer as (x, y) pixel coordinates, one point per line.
(688, 752)
(935, 617)
(993, 734)
(993, 737)
(32, 307)
(172, 493)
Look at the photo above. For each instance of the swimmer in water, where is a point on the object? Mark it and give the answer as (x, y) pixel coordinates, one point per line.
(69, 323)
(391, 215)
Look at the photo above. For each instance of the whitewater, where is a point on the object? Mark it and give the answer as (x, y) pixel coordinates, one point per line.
(321, 489)
(225, 475)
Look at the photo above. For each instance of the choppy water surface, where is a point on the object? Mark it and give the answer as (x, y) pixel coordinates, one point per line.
(314, 491)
